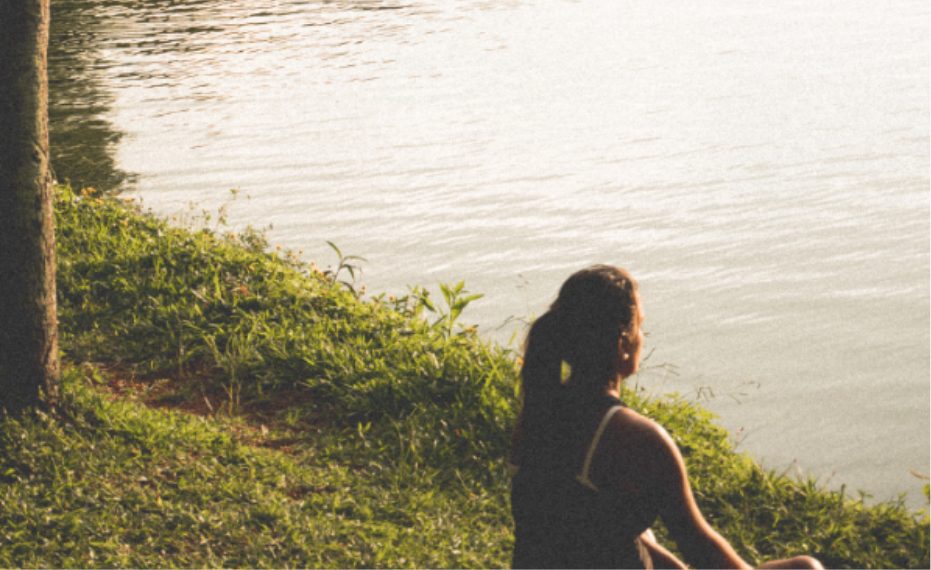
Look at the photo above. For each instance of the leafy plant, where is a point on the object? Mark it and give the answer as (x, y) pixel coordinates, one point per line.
(456, 299)
(344, 263)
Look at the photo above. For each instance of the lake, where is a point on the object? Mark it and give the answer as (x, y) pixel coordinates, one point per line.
(761, 167)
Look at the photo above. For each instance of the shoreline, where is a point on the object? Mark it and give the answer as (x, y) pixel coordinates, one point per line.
(400, 398)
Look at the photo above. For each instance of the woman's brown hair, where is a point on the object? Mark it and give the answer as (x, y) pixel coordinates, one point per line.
(582, 328)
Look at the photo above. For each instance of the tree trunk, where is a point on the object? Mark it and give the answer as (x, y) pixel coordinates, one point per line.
(28, 325)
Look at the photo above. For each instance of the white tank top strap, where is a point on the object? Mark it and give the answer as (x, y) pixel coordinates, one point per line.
(583, 477)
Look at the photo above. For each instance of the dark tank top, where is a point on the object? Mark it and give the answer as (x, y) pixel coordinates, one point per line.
(561, 519)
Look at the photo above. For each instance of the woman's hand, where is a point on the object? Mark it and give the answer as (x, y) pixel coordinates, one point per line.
(660, 557)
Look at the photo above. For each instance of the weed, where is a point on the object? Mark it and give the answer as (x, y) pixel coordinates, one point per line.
(344, 263)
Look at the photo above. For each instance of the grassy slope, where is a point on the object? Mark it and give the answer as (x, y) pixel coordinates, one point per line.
(340, 432)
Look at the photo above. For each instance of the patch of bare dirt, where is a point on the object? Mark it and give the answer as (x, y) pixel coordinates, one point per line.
(257, 422)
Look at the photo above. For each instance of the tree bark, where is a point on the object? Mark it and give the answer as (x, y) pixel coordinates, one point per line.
(29, 366)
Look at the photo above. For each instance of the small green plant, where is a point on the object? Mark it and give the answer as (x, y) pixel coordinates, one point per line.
(236, 357)
(456, 299)
(344, 263)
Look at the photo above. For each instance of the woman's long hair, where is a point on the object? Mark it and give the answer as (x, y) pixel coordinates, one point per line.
(582, 328)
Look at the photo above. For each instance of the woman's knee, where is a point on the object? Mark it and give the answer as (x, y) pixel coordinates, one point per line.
(804, 563)
(799, 562)
(808, 562)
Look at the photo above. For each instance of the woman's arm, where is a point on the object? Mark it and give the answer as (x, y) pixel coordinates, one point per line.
(648, 462)
(701, 545)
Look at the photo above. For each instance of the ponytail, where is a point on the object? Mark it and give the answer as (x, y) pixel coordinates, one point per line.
(541, 382)
(541, 372)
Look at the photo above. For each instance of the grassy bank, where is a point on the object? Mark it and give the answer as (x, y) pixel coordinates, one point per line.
(227, 407)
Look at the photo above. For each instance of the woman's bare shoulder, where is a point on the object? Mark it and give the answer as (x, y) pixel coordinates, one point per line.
(637, 424)
(639, 433)
(637, 455)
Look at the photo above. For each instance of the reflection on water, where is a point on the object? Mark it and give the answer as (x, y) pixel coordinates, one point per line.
(82, 137)
(762, 168)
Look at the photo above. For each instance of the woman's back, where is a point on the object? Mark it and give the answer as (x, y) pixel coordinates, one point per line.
(562, 519)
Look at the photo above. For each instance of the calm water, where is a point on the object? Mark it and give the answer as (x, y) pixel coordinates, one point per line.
(762, 167)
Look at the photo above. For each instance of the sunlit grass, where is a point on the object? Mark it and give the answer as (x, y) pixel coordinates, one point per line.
(334, 431)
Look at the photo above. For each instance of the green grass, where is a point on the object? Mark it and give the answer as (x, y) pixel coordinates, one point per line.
(111, 483)
(338, 432)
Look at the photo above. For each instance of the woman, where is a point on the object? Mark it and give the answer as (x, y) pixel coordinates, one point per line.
(591, 474)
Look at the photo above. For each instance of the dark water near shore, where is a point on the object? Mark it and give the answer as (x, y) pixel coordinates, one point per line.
(762, 168)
